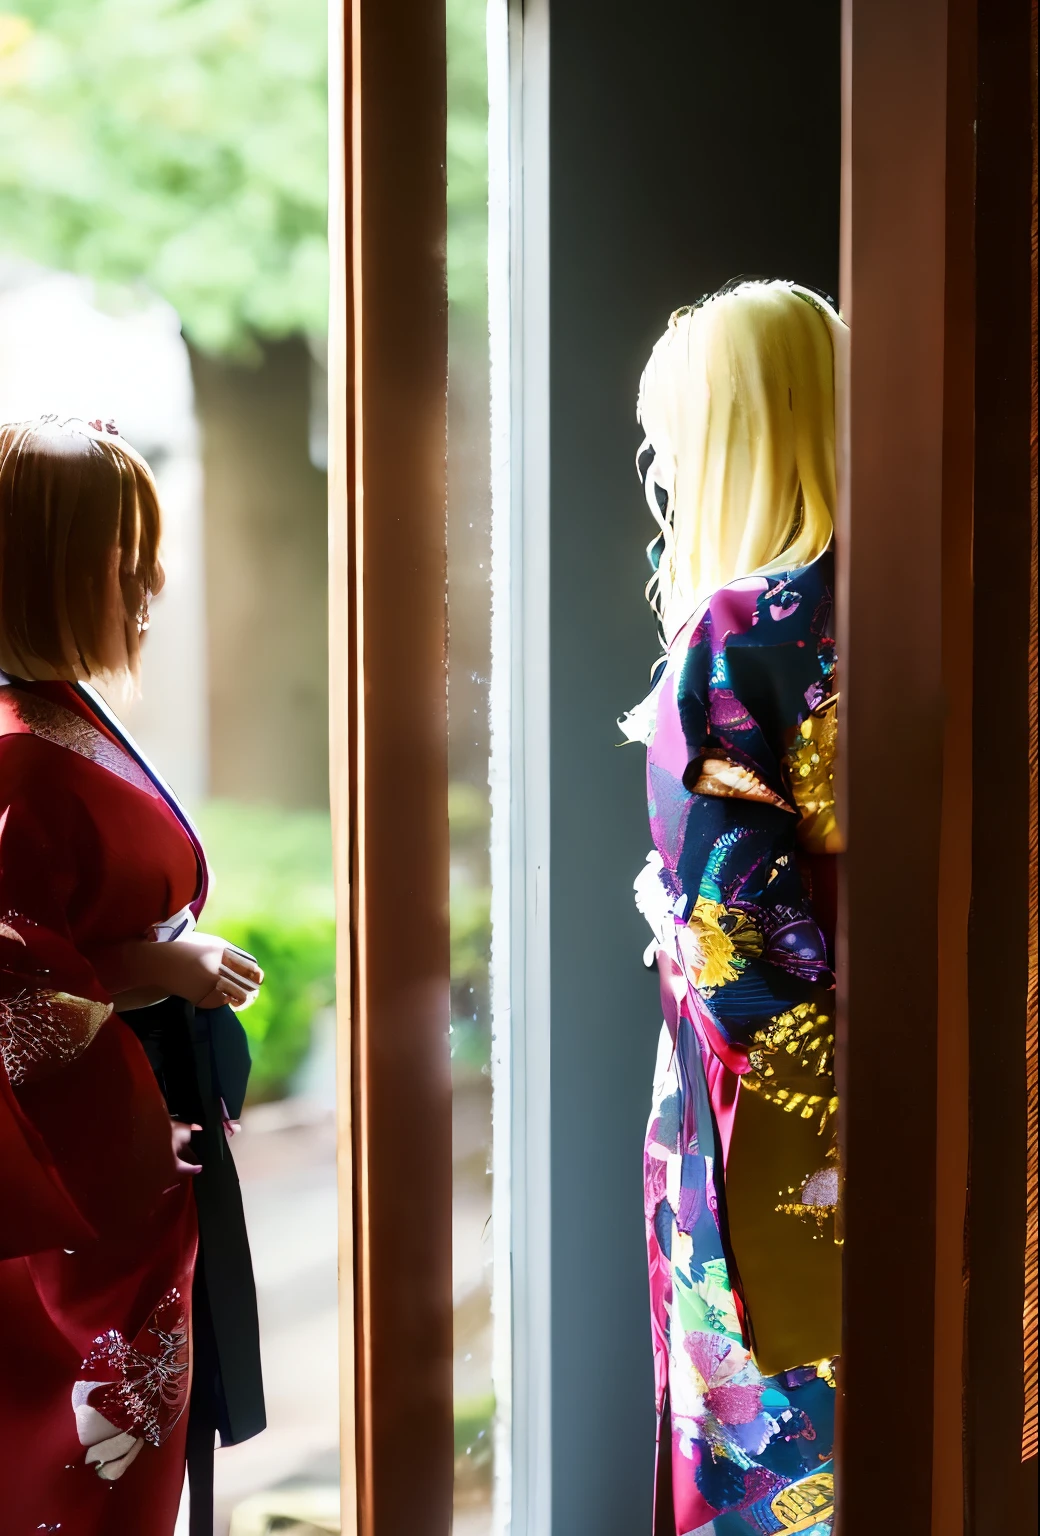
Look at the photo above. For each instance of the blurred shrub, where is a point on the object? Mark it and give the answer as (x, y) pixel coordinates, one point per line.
(299, 965)
(266, 859)
(470, 934)
(273, 895)
(474, 1447)
(470, 920)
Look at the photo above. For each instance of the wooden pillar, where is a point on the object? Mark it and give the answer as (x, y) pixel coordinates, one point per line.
(388, 377)
(905, 643)
(1002, 1461)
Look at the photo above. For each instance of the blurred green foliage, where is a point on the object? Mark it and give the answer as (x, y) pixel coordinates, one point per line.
(180, 146)
(470, 924)
(467, 158)
(273, 895)
(474, 1443)
(268, 860)
(470, 932)
(299, 965)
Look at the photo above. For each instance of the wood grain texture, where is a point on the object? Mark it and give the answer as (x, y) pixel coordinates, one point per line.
(1001, 1489)
(902, 547)
(388, 376)
(1029, 1309)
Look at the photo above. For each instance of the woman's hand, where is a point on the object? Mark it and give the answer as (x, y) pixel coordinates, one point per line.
(108, 1450)
(200, 967)
(215, 972)
(182, 1134)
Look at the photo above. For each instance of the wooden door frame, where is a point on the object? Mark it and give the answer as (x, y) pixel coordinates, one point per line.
(905, 646)
(388, 363)
(935, 636)
(1000, 1339)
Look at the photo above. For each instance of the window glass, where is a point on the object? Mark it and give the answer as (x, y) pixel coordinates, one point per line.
(469, 609)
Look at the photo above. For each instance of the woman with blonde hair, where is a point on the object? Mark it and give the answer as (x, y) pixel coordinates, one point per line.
(119, 1056)
(741, 402)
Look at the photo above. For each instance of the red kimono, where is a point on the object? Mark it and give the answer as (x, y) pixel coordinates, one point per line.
(98, 1231)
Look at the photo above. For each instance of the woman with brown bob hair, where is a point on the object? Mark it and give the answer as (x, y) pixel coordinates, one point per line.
(121, 1062)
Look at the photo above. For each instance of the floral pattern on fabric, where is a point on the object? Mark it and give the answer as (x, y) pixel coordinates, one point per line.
(40, 1031)
(742, 1444)
(740, 786)
(150, 1389)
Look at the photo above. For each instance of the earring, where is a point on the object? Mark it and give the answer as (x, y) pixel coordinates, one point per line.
(144, 618)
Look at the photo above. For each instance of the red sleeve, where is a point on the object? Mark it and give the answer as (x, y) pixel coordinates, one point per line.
(75, 1088)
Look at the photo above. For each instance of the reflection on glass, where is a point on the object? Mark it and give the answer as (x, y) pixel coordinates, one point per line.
(469, 607)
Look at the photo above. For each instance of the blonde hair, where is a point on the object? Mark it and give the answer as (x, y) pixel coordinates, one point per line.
(79, 551)
(738, 405)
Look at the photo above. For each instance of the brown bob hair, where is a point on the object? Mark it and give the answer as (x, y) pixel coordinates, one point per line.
(79, 551)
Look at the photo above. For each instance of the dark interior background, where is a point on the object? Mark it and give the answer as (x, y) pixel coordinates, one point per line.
(690, 142)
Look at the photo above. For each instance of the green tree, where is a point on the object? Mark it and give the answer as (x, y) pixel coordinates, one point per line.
(467, 159)
(181, 146)
(176, 144)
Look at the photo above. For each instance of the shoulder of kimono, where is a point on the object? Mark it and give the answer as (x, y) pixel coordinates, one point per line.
(25, 714)
(34, 772)
(815, 579)
(34, 767)
(792, 602)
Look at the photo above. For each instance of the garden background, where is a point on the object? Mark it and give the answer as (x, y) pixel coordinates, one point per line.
(163, 262)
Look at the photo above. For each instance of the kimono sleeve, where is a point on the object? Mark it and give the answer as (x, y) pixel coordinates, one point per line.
(723, 746)
(693, 700)
(69, 1080)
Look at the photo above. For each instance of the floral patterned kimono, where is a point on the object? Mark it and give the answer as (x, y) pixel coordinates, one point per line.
(98, 1231)
(741, 1178)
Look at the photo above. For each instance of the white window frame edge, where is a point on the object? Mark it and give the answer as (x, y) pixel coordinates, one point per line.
(518, 307)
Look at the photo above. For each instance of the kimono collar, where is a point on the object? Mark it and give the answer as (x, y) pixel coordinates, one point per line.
(115, 727)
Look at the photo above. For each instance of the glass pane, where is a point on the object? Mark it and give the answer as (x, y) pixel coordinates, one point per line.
(469, 607)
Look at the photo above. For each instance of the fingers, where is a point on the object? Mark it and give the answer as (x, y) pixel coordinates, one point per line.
(233, 993)
(111, 1449)
(236, 979)
(231, 1127)
(181, 1136)
(110, 1458)
(91, 1427)
(213, 999)
(235, 989)
(242, 964)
